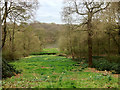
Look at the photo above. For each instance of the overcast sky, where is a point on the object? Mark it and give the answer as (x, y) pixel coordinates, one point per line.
(49, 11)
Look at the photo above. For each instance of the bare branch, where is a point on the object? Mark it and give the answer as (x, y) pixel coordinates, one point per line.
(97, 6)
(86, 4)
(101, 9)
(76, 9)
(7, 12)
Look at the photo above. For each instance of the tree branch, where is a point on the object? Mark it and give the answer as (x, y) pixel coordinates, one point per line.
(77, 11)
(101, 9)
(7, 12)
(98, 6)
(87, 6)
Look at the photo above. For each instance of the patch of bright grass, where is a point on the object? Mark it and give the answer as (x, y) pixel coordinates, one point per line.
(51, 50)
(47, 51)
(50, 71)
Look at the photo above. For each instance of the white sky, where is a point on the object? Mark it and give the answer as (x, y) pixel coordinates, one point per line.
(49, 11)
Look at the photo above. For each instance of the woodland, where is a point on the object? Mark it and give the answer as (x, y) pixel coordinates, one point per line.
(83, 52)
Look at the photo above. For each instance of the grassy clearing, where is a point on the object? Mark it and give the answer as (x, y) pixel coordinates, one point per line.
(46, 51)
(50, 71)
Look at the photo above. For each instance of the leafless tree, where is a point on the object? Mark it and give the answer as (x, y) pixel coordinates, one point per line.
(87, 8)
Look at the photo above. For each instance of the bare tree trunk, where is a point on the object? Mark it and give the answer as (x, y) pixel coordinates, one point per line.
(79, 50)
(5, 26)
(90, 48)
(119, 40)
(71, 48)
(98, 44)
(0, 46)
(119, 28)
(13, 37)
(109, 44)
(89, 27)
(98, 47)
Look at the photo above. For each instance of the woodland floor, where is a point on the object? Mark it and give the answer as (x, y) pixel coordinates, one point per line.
(51, 71)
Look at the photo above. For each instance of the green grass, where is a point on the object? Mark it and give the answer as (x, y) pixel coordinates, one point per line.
(51, 50)
(46, 50)
(50, 71)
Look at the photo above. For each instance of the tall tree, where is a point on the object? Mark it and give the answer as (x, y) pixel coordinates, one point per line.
(88, 9)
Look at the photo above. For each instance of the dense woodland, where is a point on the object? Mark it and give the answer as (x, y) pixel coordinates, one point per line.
(28, 38)
(91, 32)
